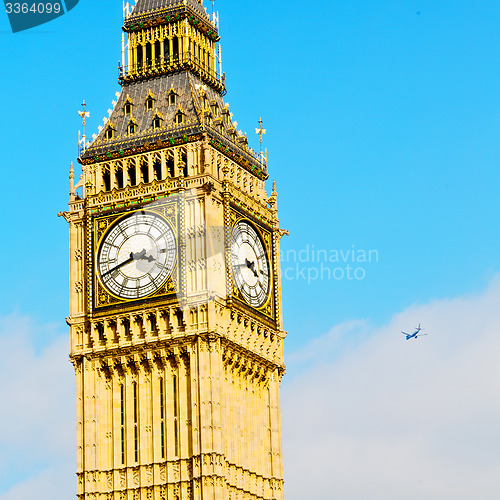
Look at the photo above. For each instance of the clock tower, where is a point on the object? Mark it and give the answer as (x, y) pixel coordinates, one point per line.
(175, 288)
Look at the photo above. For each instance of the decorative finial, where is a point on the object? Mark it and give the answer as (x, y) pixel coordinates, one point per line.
(273, 198)
(82, 141)
(220, 60)
(261, 131)
(71, 182)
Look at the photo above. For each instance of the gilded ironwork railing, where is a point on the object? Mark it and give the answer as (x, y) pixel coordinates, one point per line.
(172, 64)
(100, 146)
(246, 153)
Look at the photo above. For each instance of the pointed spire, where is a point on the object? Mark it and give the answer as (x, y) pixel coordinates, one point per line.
(71, 182)
(261, 131)
(273, 198)
(82, 139)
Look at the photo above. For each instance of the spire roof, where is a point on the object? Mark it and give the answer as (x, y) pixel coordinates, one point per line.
(150, 9)
(197, 103)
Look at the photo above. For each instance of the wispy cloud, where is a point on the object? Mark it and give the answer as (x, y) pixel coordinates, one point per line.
(396, 419)
(367, 415)
(37, 415)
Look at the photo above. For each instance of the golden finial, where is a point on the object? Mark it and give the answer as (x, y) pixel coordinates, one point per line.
(273, 198)
(71, 182)
(261, 131)
(84, 114)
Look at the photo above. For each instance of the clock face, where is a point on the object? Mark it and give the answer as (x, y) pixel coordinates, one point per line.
(250, 264)
(137, 255)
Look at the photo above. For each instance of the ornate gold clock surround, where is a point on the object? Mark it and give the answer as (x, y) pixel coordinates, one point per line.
(267, 311)
(102, 299)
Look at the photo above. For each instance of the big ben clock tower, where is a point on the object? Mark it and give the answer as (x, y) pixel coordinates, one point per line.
(175, 305)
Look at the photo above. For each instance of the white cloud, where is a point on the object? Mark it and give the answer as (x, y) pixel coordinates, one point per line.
(57, 482)
(367, 415)
(394, 419)
(37, 414)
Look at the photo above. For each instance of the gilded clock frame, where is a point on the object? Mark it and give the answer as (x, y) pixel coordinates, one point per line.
(268, 309)
(102, 299)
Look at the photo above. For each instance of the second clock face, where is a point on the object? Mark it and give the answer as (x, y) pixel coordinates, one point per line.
(137, 255)
(250, 264)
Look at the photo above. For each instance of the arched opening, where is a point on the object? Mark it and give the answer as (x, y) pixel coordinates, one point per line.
(175, 49)
(185, 162)
(132, 176)
(106, 180)
(139, 57)
(171, 167)
(119, 178)
(157, 122)
(157, 168)
(157, 53)
(144, 171)
(166, 50)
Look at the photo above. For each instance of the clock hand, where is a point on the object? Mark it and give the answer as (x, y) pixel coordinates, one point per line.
(149, 258)
(133, 256)
(251, 266)
(124, 263)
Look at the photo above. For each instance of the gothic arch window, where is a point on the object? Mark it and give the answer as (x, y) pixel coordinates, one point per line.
(139, 57)
(150, 102)
(171, 166)
(157, 176)
(166, 49)
(175, 48)
(179, 117)
(172, 98)
(144, 170)
(119, 176)
(132, 128)
(110, 133)
(157, 53)
(157, 121)
(149, 55)
(127, 108)
(133, 181)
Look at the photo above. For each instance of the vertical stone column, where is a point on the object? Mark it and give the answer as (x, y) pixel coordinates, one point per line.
(150, 168)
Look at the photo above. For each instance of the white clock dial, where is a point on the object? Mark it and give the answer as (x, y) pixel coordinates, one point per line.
(137, 255)
(250, 264)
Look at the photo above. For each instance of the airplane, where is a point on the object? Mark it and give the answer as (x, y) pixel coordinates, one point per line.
(414, 335)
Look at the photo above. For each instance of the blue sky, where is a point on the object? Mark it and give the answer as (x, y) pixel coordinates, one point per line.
(383, 128)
